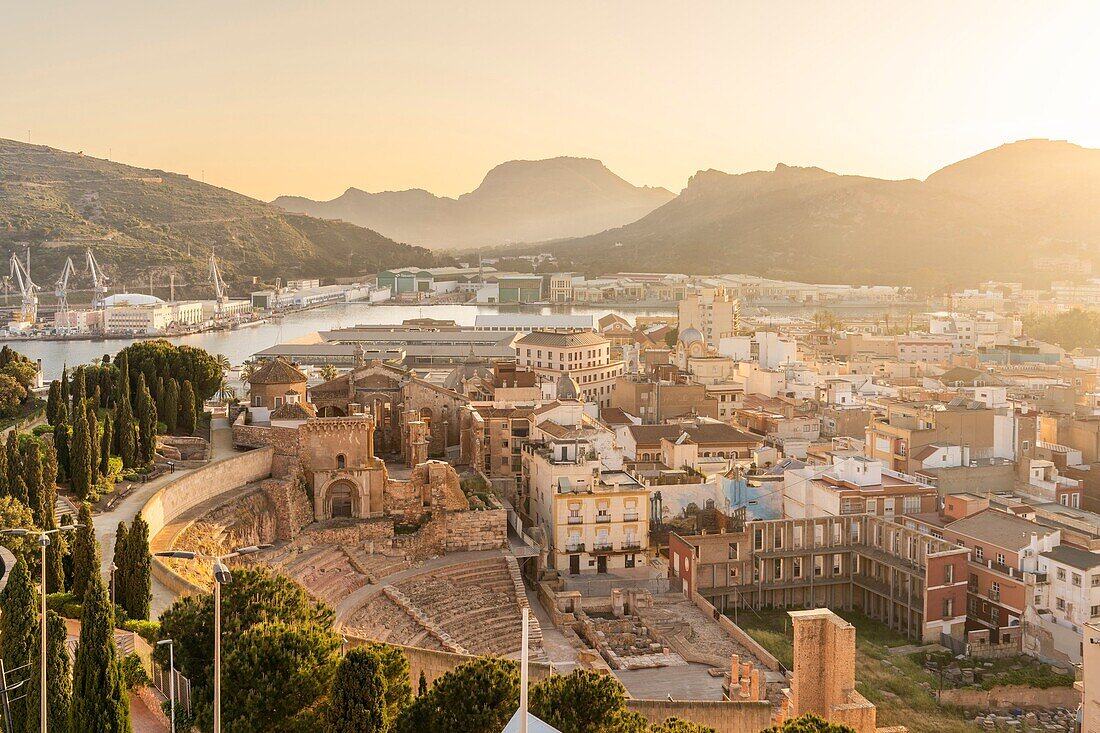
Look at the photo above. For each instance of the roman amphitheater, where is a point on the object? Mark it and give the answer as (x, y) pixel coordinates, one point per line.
(408, 557)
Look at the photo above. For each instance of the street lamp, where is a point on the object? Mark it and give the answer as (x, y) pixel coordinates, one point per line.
(222, 576)
(171, 677)
(43, 542)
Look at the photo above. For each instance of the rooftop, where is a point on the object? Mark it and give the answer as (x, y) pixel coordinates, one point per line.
(1073, 556)
(1000, 528)
(566, 340)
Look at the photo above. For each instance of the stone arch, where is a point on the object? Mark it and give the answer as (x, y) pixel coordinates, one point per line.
(331, 411)
(340, 498)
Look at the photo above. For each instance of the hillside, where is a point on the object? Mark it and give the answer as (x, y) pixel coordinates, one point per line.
(518, 201)
(983, 218)
(141, 222)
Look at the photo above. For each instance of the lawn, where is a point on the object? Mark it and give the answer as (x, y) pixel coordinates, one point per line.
(895, 684)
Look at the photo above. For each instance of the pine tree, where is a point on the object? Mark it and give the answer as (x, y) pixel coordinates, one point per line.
(85, 553)
(357, 700)
(171, 405)
(31, 458)
(100, 701)
(52, 402)
(105, 446)
(80, 455)
(137, 569)
(61, 445)
(18, 624)
(187, 416)
(127, 440)
(120, 560)
(59, 681)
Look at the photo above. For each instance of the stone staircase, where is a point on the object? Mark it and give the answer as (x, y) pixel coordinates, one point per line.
(534, 627)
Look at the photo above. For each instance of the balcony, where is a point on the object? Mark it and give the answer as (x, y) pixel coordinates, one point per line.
(576, 520)
(578, 547)
(632, 545)
(603, 547)
(630, 517)
(994, 595)
(603, 519)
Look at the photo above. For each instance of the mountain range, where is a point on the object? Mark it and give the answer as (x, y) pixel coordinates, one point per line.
(142, 223)
(517, 201)
(987, 217)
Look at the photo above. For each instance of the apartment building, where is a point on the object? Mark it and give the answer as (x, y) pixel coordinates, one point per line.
(897, 437)
(1065, 603)
(854, 485)
(595, 518)
(912, 582)
(714, 312)
(717, 440)
(583, 356)
(655, 400)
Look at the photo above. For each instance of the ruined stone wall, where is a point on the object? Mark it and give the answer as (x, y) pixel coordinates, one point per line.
(441, 408)
(434, 664)
(1004, 697)
(463, 531)
(290, 506)
(724, 717)
(284, 442)
(373, 534)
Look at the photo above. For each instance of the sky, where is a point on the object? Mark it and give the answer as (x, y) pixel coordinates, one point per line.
(278, 97)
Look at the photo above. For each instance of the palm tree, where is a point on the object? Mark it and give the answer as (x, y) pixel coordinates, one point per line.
(328, 372)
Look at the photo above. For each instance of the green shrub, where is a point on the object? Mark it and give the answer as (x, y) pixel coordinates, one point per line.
(133, 672)
(148, 630)
(40, 430)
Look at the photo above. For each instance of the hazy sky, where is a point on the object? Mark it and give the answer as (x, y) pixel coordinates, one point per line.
(310, 97)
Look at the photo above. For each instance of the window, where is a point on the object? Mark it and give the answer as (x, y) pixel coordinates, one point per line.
(1095, 581)
(1094, 611)
(948, 574)
(1077, 579)
(1061, 574)
(912, 504)
(758, 539)
(979, 553)
(1000, 558)
(1060, 603)
(341, 461)
(1026, 445)
(819, 566)
(797, 567)
(777, 569)
(948, 607)
(836, 564)
(733, 551)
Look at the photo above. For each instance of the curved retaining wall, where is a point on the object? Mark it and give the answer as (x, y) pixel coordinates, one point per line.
(7, 562)
(218, 478)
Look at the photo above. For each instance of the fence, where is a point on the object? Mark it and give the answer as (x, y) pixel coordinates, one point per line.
(589, 586)
(183, 687)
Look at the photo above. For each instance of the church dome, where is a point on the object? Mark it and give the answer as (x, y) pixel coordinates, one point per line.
(471, 367)
(568, 389)
(691, 335)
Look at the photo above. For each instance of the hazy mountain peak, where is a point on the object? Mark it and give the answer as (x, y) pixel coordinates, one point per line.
(518, 200)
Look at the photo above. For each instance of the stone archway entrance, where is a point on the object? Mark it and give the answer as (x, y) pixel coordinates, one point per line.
(341, 499)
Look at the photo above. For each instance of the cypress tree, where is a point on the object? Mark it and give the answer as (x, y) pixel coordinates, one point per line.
(137, 570)
(186, 422)
(171, 405)
(105, 446)
(356, 704)
(55, 564)
(31, 458)
(11, 448)
(127, 440)
(158, 394)
(80, 455)
(120, 560)
(52, 401)
(100, 701)
(59, 681)
(93, 446)
(18, 625)
(78, 388)
(61, 445)
(65, 385)
(422, 684)
(5, 487)
(85, 553)
(123, 363)
(147, 421)
(19, 490)
(49, 483)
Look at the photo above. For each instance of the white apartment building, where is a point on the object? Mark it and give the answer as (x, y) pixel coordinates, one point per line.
(1070, 598)
(714, 312)
(968, 331)
(582, 356)
(147, 314)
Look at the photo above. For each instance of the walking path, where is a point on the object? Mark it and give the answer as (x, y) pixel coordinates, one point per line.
(125, 511)
(561, 652)
(144, 720)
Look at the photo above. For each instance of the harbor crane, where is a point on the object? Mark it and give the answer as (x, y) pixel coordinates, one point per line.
(21, 274)
(220, 295)
(61, 290)
(99, 280)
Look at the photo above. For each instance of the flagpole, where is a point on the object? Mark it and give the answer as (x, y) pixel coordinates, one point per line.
(524, 653)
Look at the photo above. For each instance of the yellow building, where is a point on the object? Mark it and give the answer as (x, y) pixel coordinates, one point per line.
(596, 519)
(581, 356)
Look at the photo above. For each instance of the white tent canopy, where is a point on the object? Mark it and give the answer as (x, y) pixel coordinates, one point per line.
(534, 725)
